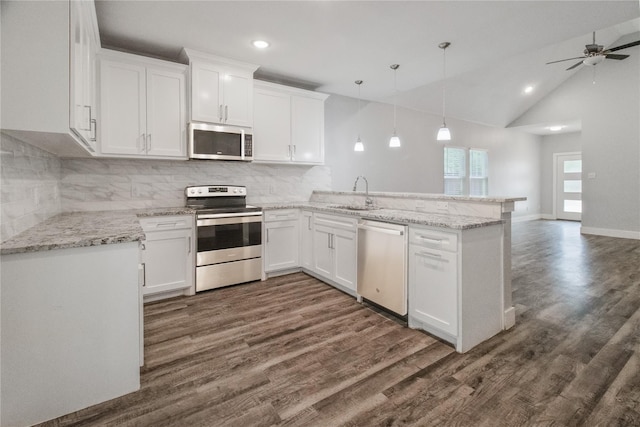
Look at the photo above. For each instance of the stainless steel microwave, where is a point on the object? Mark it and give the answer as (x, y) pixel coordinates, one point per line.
(215, 142)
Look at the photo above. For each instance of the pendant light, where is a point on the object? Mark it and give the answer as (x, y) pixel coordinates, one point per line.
(443, 133)
(359, 146)
(394, 142)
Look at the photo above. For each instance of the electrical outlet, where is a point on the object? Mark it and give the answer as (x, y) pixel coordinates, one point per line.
(442, 206)
(591, 175)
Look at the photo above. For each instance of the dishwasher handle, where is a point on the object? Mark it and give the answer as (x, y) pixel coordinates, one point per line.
(381, 230)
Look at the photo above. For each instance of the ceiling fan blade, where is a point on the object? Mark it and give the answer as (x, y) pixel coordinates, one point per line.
(624, 46)
(574, 66)
(568, 59)
(615, 56)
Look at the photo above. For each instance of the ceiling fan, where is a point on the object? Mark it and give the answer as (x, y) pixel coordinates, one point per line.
(595, 53)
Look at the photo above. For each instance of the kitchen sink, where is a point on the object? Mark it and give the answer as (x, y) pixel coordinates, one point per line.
(354, 207)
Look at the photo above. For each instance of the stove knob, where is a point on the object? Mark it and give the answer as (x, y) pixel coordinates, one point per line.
(235, 190)
(199, 191)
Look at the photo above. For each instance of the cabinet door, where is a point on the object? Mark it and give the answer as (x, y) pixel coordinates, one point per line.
(167, 261)
(433, 287)
(84, 47)
(306, 240)
(206, 93)
(238, 98)
(322, 252)
(281, 250)
(166, 117)
(122, 108)
(307, 129)
(345, 247)
(272, 126)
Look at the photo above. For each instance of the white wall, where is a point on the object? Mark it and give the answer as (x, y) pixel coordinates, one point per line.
(551, 144)
(610, 114)
(514, 156)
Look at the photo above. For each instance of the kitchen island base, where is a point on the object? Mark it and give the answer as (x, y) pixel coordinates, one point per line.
(70, 330)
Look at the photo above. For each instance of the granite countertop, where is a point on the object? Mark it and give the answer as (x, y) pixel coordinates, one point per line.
(81, 229)
(456, 222)
(429, 196)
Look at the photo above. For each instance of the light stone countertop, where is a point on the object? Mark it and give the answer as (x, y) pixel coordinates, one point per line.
(81, 229)
(427, 196)
(456, 222)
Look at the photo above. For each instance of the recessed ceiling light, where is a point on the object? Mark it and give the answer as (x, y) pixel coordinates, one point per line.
(528, 89)
(260, 44)
(555, 128)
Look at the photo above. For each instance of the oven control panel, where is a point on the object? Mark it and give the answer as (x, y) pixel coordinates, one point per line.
(216, 191)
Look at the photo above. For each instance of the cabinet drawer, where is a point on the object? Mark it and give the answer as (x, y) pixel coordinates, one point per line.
(434, 239)
(335, 221)
(280, 215)
(166, 222)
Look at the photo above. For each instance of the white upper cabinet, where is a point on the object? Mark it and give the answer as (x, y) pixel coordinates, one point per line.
(288, 124)
(85, 44)
(48, 75)
(142, 107)
(221, 89)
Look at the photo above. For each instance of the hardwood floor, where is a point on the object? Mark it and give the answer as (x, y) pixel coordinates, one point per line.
(293, 351)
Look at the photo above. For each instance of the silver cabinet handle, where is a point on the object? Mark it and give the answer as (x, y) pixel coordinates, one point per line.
(309, 222)
(267, 235)
(289, 151)
(148, 143)
(144, 274)
(427, 239)
(189, 245)
(430, 255)
(88, 119)
(220, 113)
(226, 113)
(95, 130)
(144, 143)
(294, 150)
(329, 240)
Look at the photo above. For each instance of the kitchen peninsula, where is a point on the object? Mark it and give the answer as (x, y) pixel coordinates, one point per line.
(71, 293)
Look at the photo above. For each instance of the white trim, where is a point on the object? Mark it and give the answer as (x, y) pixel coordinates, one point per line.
(509, 317)
(624, 234)
(524, 218)
(548, 216)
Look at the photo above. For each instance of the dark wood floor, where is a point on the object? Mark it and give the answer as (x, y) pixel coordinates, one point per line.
(295, 352)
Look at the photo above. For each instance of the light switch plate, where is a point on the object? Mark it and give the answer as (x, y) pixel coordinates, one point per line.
(591, 175)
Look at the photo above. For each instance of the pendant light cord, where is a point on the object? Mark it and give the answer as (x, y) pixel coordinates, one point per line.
(395, 97)
(444, 82)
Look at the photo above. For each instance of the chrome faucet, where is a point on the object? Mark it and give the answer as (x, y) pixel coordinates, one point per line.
(368, 201)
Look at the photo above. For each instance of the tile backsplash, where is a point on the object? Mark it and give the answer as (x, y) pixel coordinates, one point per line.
(37, 185)
(30, 188)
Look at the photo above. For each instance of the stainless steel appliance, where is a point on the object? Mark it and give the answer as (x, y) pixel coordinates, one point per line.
(382, 264)
(229, 236)
(216, 142)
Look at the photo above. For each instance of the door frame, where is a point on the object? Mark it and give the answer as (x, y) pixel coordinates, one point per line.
(555, 179)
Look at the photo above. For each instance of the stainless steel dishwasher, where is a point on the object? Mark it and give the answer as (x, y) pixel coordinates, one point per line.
(382, 264)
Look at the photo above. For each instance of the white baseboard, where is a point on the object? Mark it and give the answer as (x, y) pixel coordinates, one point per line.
(548, 216)
(509, 318)
(524, 218)
(624, 234)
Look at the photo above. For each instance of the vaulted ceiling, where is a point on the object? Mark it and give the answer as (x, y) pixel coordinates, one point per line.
(497, 47)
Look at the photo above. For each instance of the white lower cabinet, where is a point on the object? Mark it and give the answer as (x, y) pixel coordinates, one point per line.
(455, 283)
(281, 240)
(168, 256)
(335, 250)
(306, 240)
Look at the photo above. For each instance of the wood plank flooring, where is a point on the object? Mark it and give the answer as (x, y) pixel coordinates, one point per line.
(293, 351)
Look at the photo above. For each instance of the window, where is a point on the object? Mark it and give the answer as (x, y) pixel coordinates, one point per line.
(466, 171)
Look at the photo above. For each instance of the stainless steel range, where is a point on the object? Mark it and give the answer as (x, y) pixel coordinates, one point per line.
(229, 235)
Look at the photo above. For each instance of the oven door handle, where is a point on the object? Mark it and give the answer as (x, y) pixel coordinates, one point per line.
(226, 221)
(228, 215)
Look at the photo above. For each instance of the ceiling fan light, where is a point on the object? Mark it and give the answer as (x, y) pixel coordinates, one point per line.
(444, 134)
(359, 146)
(593, 60)
(394, 142)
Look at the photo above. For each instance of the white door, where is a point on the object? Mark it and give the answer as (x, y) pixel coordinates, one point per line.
(166, 114)
(281, 245)
(307, 129)
(238, 98)
(206, 91)
(345, 248)
(123, 108)
(569, 186)
(272, 126)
